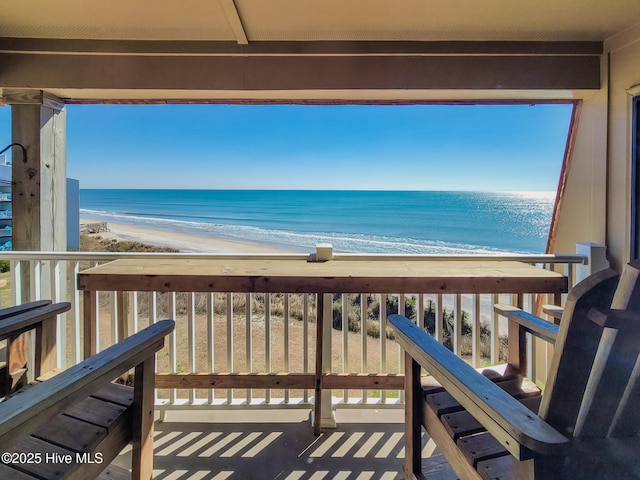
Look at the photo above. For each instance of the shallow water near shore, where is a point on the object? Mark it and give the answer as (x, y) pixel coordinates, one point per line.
(352, 221)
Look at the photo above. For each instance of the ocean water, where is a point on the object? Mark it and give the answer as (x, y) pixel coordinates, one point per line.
(352, 221)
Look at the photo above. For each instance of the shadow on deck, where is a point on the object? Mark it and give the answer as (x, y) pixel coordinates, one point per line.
(279, 444)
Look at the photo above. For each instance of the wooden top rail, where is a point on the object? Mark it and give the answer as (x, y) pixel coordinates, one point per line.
(510, 422)
(301, 276)
(22, 413)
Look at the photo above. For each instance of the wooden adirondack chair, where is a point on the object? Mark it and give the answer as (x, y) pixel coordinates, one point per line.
(588, 418)
(72, 424)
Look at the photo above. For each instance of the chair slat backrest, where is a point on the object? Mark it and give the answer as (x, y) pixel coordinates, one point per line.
(611, 400)
(575, 350)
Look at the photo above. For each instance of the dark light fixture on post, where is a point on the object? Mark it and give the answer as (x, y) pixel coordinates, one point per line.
(16, 144)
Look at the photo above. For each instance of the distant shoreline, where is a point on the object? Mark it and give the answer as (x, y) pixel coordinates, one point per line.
(184, 242)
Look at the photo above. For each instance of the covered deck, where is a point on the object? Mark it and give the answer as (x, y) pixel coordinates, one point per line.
(237, 51)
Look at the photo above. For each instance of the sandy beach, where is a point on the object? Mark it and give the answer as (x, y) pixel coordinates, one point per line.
(184, 242)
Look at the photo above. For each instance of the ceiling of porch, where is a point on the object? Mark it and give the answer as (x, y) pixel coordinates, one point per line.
(293, 20)
(312, 50)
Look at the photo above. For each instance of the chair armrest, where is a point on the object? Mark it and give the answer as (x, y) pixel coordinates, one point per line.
(553, 311)
(510, 422)
(28, 316)
(536, 326)
(25, 307)
(24, 412)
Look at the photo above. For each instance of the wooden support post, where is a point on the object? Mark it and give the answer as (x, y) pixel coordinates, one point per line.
(90, 322)
(412, 419)
(143, 402)
(38, 122)
(517, 341)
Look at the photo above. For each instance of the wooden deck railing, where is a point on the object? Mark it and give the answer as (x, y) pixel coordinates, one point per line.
(270, 333)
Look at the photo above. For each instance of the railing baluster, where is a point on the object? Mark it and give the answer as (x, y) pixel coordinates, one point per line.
(191, 340)
(267, 341)
(286, 342)
(248, 313)
(134, 309)
(457, 328)
(55, 281)
(173, 364)
(229, 342)
(383, 342)
(75, 314)
(345, 342)
(439, 334)
(210, 341)
(364, 365)
(475, 332)
(495, 332)
(402, 311)
(305, 341)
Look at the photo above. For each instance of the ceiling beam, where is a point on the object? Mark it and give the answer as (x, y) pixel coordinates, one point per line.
(298, 73)
(233, 18)
(229, 48)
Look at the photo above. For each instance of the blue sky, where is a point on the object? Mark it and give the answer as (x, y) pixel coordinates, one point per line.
(418, 147)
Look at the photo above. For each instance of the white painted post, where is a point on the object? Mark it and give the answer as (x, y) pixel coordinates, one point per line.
(596, 259)
(328, 418)
(324, 252)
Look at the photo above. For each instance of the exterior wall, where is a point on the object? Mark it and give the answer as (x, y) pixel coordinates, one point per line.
(624, 54)
(597, 199)
(582, 214)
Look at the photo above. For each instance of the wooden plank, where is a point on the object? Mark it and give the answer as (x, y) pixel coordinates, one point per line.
(142, 435)
(575, 347)
(381, 381)
(46, 470)
(25, 307)
(115, 393)
(287, 72)
(500, 468)
(530, 323)
(553, 311)
(317, 398)
(113, 472)
(460, 424)
(614, 366)
(235, 380)
(235, 23)
(446, 445)
(341, 47)
(32, 408)
(507, 420)
(412, 418)
(26, 321)
(481, 446)
(518, 388)
(95, 411)
(71, 433)
(301, 276)
(89, 323)
(517, 342)
(13, 474)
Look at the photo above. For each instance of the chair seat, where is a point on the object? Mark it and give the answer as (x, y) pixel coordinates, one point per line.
(97, 424)
(477, 446)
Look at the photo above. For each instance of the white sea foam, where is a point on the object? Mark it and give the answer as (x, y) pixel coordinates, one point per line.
(299, 240)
